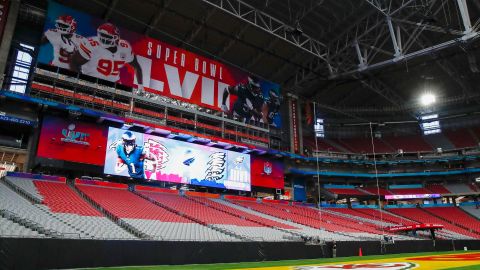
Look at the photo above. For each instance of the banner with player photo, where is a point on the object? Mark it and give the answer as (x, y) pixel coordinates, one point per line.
(144, 156)
(78, 42)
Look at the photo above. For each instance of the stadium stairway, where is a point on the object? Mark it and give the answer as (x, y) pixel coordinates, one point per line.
(124, 225)
(189, 217)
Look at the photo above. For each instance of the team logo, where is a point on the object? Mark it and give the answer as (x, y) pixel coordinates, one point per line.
(216, 166)
(267, 168)
(76, 137)
(239, 160)
(362, 266)
(156, 156)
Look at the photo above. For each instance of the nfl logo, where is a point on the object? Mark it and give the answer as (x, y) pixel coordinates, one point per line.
(267, 168)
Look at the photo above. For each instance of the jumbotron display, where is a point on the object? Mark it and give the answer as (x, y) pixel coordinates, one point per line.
(144, 156)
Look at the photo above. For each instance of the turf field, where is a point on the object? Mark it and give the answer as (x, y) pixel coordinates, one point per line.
(460, 260)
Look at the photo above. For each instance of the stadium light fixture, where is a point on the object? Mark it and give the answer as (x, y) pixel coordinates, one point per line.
(427, 99)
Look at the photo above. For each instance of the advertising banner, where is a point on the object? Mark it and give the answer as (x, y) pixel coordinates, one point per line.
(294, 126)
(144, 156)
(412, 196)
(79, 42)
(267, 172)
(72, 140)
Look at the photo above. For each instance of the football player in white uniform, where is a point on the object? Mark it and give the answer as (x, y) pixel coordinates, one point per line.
(64, 40)
(104, 55)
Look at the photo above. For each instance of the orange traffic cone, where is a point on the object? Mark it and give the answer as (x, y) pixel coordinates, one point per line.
(360, 252)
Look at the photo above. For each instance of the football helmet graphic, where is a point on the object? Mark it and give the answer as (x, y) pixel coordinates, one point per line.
(108, 35)
(129, 142)
(66, 24)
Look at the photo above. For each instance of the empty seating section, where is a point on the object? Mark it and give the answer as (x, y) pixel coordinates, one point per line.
(437, 189)
(198, 211)
(312, 218)
(461, 138)
(62, 199)
(346, 191)
(361, 216)
(409, 143)
(67, 206)
(39, 215)
(226, 208)
(301, 229)
(124, 204)
(406, 191)
(26, 185)
(385, 216)
(166, 216)
(10, 228)
(422, 216)
(459, 188)
(64, 205)
(149, 218)
(472, 210)
(364, 145)
(456, 216)
(243, 226)
(322, 145)
(375, 190)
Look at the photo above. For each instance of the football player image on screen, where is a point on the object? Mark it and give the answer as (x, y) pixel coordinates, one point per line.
(64, 40)
(250, 103)
(104, 55)
(273, 105)
(130, 156)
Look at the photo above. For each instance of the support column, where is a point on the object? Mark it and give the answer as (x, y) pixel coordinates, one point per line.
(14, 7)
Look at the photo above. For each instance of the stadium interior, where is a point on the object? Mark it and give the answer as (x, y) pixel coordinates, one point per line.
(206, 131)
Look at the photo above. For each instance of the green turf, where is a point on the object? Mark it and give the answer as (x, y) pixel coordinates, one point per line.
(281, 263)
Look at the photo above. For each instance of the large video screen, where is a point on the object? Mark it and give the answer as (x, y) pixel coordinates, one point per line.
(149, 157)
(72, 140)
(267, 172)
(88, 45)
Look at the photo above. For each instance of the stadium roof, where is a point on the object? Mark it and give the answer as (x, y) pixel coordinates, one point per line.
(358, 59)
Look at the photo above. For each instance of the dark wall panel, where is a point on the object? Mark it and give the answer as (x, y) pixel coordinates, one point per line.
(25, 253)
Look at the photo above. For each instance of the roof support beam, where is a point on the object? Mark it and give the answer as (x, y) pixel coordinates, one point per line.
(467, 24)
(271, 25)
(398, 51)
